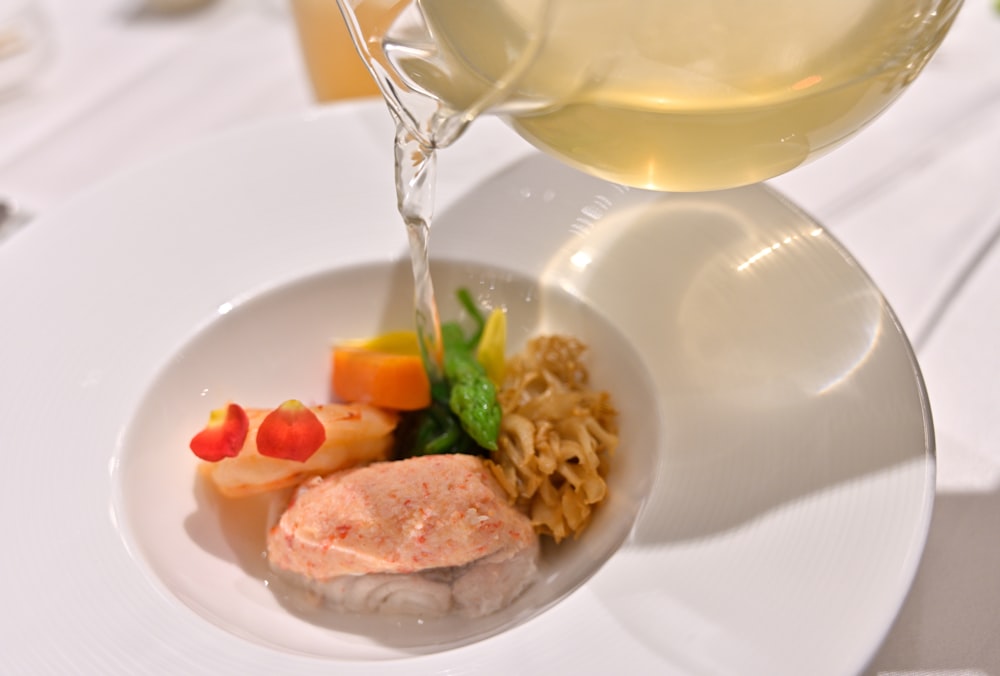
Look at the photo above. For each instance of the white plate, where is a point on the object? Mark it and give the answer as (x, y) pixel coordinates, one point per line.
(794, 477)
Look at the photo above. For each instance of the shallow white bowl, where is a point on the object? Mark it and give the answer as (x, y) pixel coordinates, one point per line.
(209, 551)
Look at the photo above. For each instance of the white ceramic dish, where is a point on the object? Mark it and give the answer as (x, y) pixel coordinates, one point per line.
(793, 475)
(208, 551)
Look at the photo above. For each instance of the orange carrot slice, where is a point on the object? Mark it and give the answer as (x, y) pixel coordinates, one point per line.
(388, 379)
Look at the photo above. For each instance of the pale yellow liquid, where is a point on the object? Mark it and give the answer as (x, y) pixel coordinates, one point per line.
(666, 94)
(685, 95)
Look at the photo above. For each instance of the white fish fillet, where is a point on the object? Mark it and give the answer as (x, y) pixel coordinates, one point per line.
(424, 536)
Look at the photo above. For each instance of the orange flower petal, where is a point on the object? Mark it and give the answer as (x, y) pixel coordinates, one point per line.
(223, 436)
(290, 432)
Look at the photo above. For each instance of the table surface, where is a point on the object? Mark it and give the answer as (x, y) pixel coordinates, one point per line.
(915, 198)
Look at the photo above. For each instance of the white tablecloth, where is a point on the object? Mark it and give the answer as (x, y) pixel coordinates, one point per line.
(915, 197)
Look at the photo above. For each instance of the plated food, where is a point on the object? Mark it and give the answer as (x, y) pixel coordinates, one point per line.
(423, 536)
(695, 442)
(409, 496)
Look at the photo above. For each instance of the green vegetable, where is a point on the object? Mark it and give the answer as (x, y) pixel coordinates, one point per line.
(438, 432)
(472, 398)
(465, 298)
(464, 416)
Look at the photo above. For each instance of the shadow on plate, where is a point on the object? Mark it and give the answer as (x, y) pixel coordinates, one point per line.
(780, 368)
(951, 610)
(794, 486)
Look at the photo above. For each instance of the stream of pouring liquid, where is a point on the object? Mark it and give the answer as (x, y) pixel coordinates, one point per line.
(416, 170)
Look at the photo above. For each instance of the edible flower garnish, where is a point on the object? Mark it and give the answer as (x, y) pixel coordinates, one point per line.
(224, 434)
(290, 432)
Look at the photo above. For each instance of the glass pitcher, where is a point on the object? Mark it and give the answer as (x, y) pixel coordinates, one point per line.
(663, 94)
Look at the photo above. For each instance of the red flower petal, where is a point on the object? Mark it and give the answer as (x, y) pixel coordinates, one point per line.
(290, 432)
(223, 436)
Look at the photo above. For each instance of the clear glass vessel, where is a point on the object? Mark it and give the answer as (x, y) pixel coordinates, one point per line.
(682, 95)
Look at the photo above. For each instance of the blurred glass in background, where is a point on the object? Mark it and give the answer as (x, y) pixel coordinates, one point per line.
(335, 69)
(24, 44)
